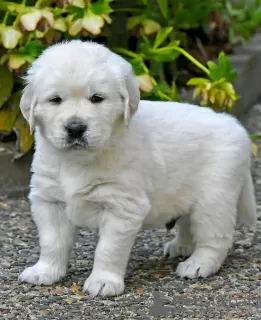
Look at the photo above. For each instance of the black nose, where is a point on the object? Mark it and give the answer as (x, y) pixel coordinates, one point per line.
(75, 129)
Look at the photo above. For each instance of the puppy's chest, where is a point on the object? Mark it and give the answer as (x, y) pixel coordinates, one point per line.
(84, 203)
(84, 214)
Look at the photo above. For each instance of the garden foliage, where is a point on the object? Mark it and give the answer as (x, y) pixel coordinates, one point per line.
(154, 35)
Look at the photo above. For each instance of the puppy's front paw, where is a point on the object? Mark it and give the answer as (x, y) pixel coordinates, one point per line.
(197, 268)
(174, 249)
(42, 273)
(104, 284)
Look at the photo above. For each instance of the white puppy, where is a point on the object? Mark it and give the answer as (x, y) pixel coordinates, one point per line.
(102, 165)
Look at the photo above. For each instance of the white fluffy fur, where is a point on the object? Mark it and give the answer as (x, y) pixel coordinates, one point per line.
(140, 169)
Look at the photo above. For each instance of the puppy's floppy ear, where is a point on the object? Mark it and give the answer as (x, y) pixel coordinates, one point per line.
(27, 105)
(131, 95)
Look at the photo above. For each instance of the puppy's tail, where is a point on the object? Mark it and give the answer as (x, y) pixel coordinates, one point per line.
(247, 203)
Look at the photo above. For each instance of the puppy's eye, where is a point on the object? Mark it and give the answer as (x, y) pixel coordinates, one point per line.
(96, 98)
(56, 100)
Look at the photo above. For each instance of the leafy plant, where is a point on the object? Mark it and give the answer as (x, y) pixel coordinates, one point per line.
(243, 19)
(159, 30)
(217, 92)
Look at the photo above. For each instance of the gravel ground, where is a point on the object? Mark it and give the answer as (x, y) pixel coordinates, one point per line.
(153, 291)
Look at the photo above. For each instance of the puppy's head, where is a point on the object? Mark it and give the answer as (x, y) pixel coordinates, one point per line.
(78, 93)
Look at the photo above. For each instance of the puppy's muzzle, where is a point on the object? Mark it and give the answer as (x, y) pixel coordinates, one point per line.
(75, 130)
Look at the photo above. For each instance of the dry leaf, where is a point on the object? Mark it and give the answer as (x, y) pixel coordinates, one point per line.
(9, 113)
(23, 228)
(75, 289)
(70, 300)
(24, 139)
(254, 148)
(200, 286)
(157, 276)
(145, 82)
(3, 205)
(140, 292)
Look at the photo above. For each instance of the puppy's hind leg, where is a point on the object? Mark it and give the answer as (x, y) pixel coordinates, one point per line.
(212, 226)
(182, 244)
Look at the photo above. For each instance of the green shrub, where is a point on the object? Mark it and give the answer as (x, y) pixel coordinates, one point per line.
(160, 32)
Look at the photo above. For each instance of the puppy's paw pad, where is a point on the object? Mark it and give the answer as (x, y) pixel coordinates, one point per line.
(104, 284)
(195, 268)
(41, 274)
(174, 249)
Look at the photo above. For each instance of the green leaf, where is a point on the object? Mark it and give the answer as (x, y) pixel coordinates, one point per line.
(162, 36)
(174, 43)
(9, 112)
(232, 75)
(145, 39)
(257, 16)
(6, 84)
(133, 22)
(138, 66)
(255, 136)
(16, 61)
(224, 64)
(4, 59)
(215, 73)
(161, 54)
(13, 7)
(166, 56)
(197, 81)
(211, 65)
(222, 70)
(222, 81)
(145, 49)
(163, 5)
(32, 49)
(101, 7)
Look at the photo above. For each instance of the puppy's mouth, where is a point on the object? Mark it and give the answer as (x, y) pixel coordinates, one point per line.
(76, 144)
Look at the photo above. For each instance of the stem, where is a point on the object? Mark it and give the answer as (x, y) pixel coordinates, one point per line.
(154, 82)
(146, 70)
(161, 73)
(192, 59)
(38, 4)
(5, 17)
(29, 38)
(163, 95)
(229, 8)
(127, 52)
